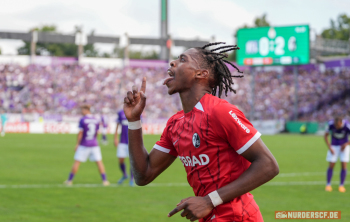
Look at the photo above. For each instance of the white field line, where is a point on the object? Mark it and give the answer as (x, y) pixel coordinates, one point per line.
(301, 174)
(41, 186)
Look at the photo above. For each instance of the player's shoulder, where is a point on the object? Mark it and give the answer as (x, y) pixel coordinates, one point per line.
(347, 125)
(121, 113)
(331, 123)
(177, 116)
(216, 106)
(82, 122)
(90, 118)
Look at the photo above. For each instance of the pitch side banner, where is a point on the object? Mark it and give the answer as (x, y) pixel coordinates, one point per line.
(16, 128)
(267, 127)
(72, 128)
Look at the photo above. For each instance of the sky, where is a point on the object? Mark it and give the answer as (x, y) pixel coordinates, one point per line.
(188, 19)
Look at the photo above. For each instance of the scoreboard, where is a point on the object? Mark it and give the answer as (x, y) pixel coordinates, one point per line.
(287, 45)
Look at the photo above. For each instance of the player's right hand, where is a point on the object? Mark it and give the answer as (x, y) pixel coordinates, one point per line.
(194, 208)
(135, 102)
(116, 142)
(331, 150)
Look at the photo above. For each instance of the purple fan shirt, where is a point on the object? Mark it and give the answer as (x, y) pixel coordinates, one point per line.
(124, 123)
(104, 121)
(339, 136)
(89, 125)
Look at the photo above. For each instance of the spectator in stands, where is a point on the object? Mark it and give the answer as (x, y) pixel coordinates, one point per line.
(57, 89)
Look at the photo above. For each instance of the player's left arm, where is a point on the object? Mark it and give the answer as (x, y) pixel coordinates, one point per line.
(79, 137)
(347, 143)
(263, 168)
(116, 141)
(80, 134)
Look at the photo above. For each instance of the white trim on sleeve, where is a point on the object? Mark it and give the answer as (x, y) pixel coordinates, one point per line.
(160, 148)
(249, 143)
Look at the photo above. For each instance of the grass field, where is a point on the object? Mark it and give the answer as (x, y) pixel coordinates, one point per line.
(33, 168)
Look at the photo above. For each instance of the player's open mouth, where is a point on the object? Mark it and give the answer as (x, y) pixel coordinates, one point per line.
(172, 77)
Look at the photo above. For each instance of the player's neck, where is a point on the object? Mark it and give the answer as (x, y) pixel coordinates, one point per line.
(190, 98)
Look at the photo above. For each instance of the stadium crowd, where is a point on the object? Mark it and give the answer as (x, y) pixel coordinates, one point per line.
(275, 94)
(59, 89)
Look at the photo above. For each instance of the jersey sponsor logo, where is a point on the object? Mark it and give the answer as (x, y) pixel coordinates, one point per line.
(195, 140)
(201, 160)
(234, 116)
(340, 135)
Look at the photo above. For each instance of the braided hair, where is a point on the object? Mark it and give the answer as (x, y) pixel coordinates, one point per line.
(214, 61)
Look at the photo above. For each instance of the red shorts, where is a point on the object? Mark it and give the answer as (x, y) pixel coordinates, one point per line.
(230, 212)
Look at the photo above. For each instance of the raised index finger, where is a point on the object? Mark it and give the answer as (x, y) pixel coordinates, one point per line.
(143, 85)
(177, 209)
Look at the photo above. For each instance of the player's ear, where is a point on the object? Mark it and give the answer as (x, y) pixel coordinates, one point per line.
(202, 74)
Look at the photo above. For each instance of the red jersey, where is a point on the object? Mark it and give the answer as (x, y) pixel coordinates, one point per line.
(209, 140)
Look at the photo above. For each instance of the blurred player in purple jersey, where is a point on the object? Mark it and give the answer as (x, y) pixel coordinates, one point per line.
(339, 147)
(122, 146)
(87, 145)
(104, 124)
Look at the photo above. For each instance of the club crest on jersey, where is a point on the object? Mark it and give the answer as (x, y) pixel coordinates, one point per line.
(195, 140)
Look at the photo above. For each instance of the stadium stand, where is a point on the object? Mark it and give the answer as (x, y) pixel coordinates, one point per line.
(59, 89)
(275, 93)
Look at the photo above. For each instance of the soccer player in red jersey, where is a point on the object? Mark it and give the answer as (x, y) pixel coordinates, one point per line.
(220, 149)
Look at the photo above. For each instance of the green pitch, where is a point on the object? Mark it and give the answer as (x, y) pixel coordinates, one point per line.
(33, 168)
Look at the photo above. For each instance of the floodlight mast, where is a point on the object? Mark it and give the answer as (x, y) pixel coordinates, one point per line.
(34, 39)
(164, 54)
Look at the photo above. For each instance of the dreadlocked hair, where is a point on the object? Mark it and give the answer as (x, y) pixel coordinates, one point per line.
(215, 62)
